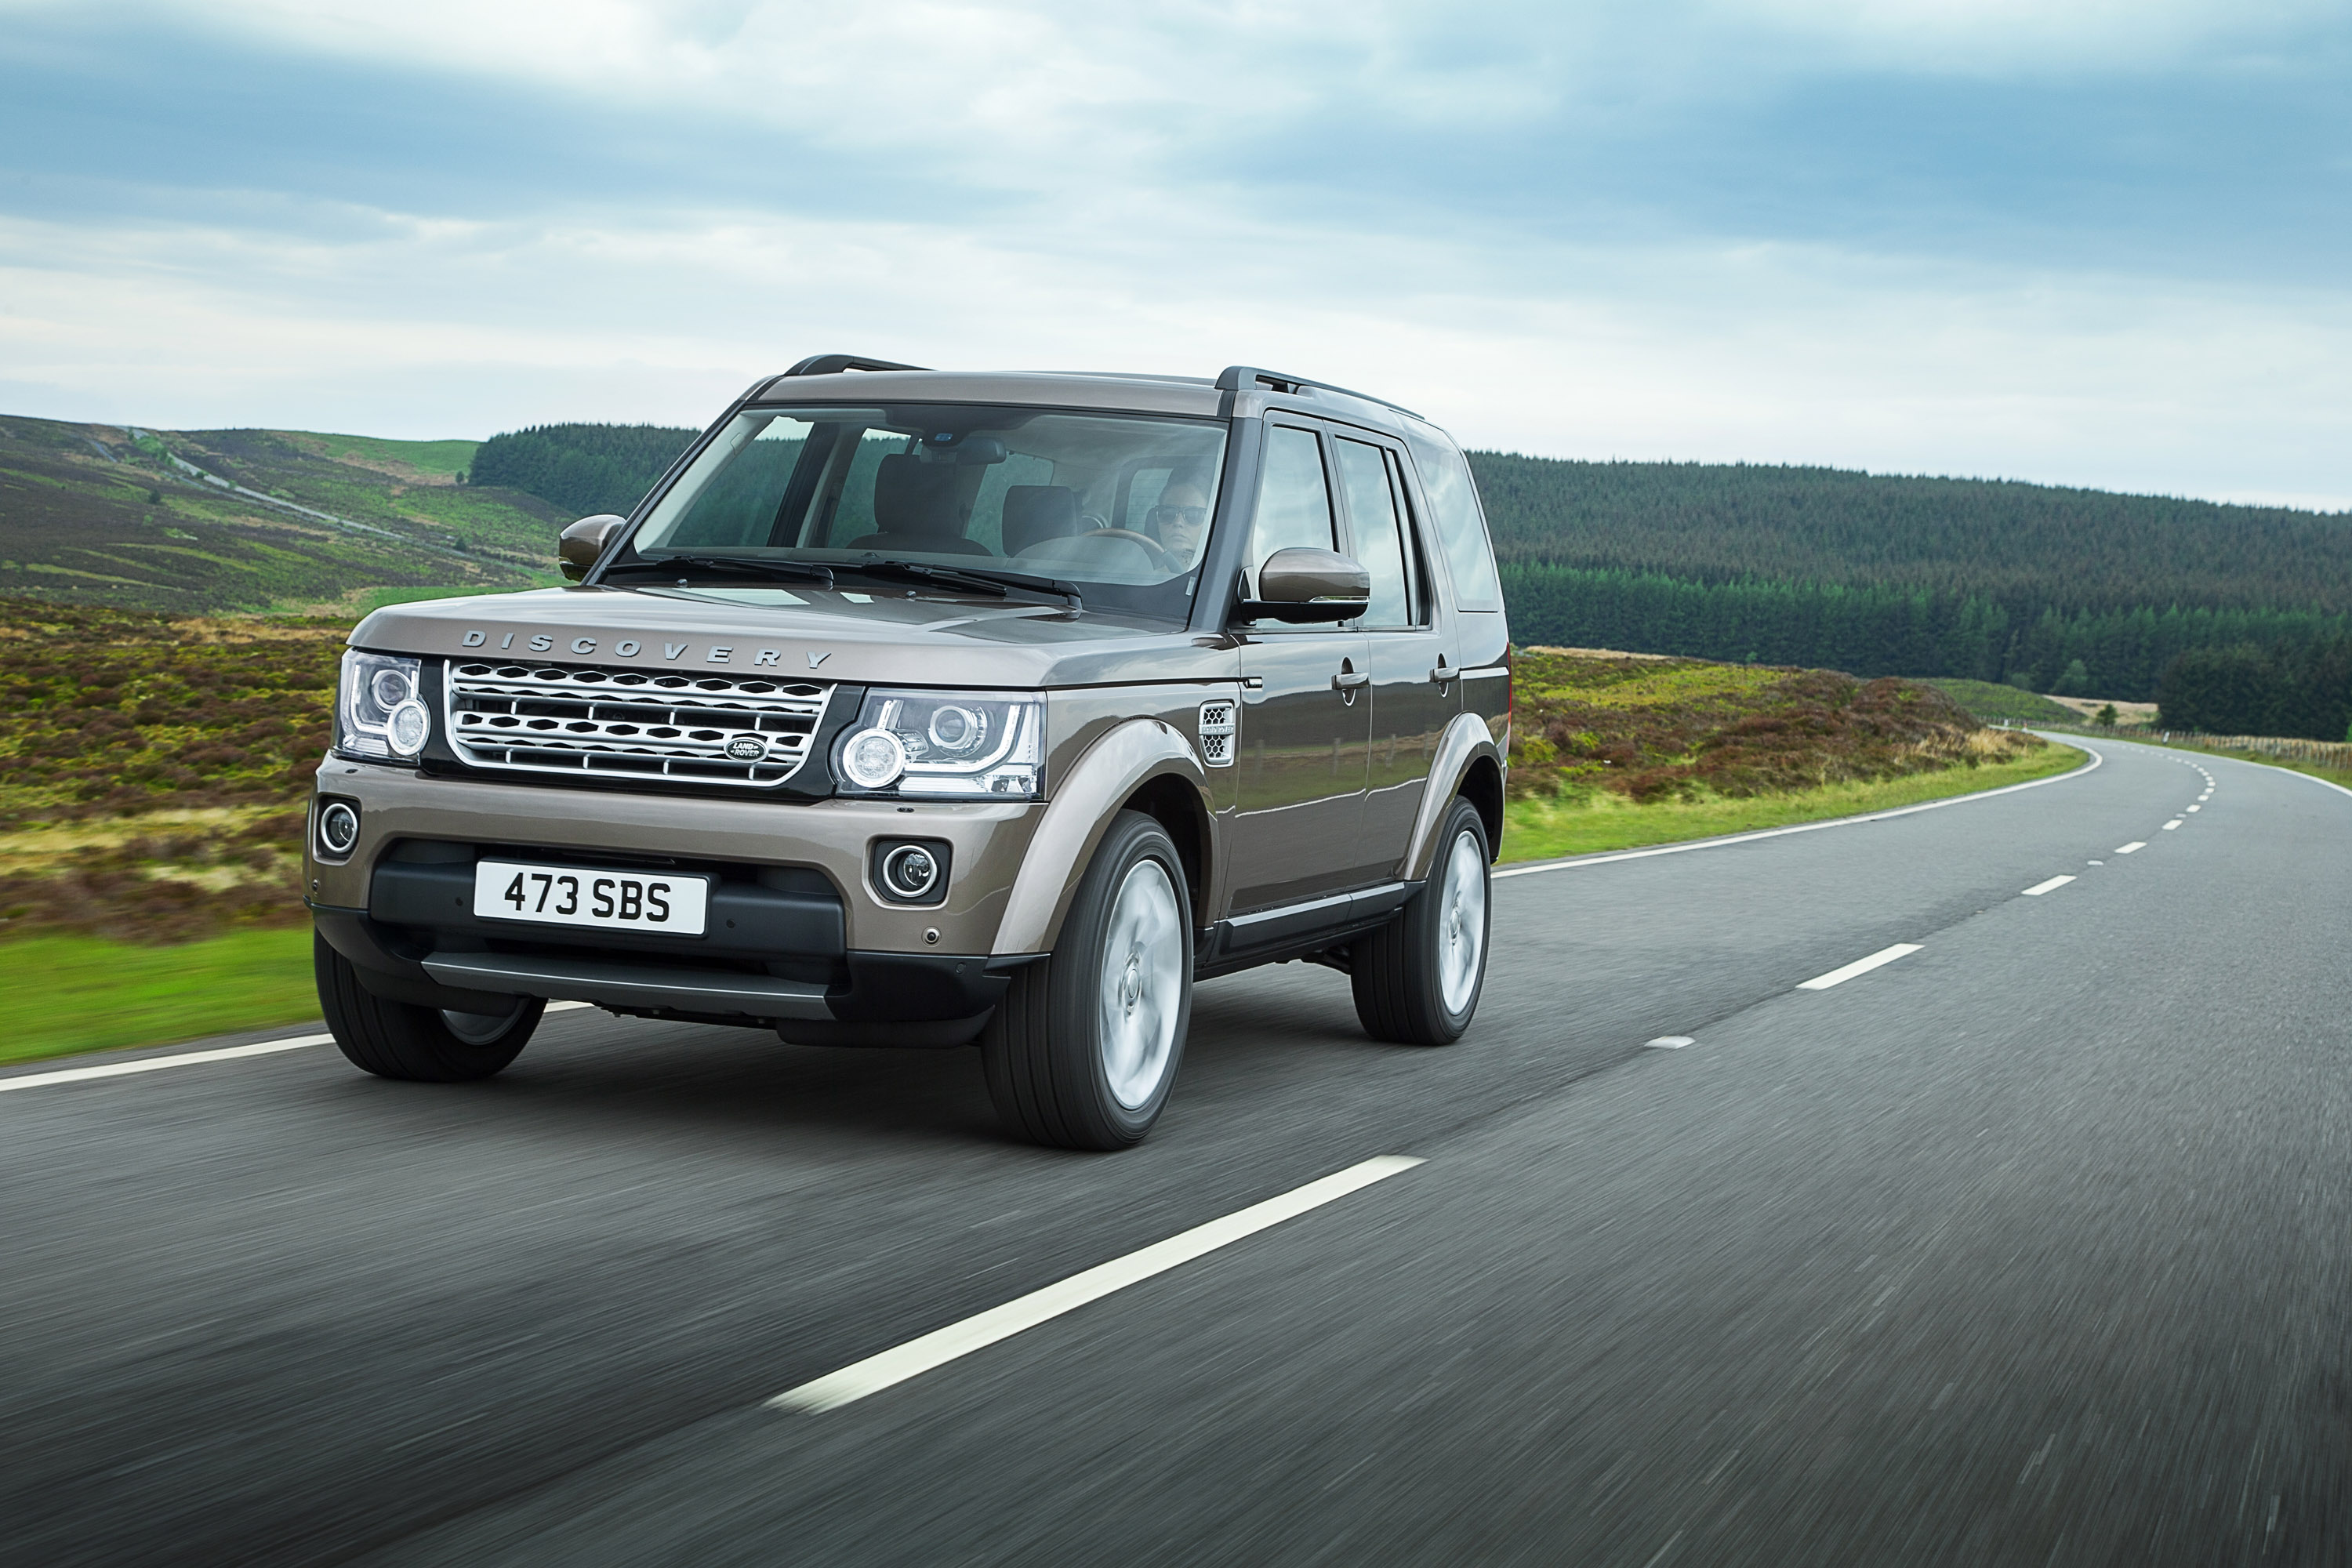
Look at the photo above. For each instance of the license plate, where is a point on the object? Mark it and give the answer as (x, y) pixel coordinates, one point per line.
(575, 896)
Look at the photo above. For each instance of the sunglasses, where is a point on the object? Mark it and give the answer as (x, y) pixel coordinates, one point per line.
(1161, 516)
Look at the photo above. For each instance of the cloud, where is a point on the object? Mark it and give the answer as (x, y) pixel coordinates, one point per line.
(2067, 245)
(2033, 36)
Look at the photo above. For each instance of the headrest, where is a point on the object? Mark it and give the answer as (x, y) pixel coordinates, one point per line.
(911, 496)
(1034, 513)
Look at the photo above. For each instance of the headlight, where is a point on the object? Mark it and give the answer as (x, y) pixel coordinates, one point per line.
(954, 744)
(380, 708)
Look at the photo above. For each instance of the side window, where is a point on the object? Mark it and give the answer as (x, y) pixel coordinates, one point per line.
(1379, 532)
(1293, 504)
(1461, 531)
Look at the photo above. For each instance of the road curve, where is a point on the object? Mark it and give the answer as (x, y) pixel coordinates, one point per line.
(2027, 1244)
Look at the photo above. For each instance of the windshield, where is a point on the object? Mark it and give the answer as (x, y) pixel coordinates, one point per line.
(1114, 506)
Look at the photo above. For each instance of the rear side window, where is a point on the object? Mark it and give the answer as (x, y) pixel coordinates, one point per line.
(1460, 529)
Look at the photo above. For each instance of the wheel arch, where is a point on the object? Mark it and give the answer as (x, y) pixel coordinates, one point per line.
(1174, 802)
(1467, 765)
(1482, 786)
(1143, 762)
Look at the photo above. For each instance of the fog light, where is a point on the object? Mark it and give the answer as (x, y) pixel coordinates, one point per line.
(339, 828)
(910, 872)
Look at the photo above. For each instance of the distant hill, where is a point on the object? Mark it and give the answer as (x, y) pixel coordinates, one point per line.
(581, 468)
(99, 514)
(2081, 591)
(2021, 546)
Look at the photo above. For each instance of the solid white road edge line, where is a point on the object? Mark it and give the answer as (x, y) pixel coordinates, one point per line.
(2134, 848)
(2092, 766)
(1860, 966)
(191, 1058)
(2051, 886)
(157, 1064)
(917, 1357)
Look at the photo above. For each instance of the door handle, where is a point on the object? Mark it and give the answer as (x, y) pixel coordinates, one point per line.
(1442, 675)
(1348, 682)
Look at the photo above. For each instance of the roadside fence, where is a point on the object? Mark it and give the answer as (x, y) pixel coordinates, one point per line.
(2287, 748)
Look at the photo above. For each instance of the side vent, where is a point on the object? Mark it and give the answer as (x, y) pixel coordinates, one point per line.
(1217, 733)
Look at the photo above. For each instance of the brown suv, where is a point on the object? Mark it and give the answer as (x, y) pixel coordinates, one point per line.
(916, 708)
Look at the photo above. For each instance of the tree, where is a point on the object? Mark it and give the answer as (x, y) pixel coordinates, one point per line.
(2074, 683)
(2105, 716)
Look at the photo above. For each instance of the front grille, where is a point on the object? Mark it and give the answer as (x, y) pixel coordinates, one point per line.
(627, 724)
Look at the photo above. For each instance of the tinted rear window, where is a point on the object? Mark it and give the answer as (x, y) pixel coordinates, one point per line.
(1461, 527)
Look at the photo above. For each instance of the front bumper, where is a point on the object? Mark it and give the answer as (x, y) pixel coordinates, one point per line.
(796, 936)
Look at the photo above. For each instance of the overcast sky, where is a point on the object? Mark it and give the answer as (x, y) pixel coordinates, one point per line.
(2096, 242)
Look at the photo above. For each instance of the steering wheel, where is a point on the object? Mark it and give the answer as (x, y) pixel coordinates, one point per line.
(1151, 546)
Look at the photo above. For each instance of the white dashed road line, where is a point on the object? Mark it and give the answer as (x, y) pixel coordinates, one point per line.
(1860, 966)
(2134, 848)
(2051, 886)
(2173, 823)
(1669, 1043)
(917, 1357)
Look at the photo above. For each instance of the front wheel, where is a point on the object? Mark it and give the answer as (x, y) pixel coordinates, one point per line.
(1083, 1049)
(1417, 979)
(425, 1045)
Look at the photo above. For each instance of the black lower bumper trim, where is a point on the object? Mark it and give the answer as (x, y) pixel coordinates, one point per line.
(406, 964)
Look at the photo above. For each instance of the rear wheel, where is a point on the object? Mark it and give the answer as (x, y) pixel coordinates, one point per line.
(1083, 1049)
(1417, 979)
(425, 1045)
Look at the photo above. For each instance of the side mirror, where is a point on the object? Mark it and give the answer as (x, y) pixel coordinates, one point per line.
(578, 546)
(1304, 585)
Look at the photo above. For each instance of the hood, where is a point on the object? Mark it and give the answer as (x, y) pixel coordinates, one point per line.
(811, 634)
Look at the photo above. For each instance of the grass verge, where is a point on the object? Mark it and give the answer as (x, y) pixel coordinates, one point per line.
(65, 994)
(1547, 829)
(2340, 776)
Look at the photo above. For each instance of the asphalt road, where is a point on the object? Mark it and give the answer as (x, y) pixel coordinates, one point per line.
(2027, 1247)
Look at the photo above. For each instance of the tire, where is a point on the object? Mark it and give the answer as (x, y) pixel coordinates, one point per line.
(1417, 979)
(423, 1044)
(1083, 1049)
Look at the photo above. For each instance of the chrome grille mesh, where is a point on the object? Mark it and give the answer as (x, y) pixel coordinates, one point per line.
(629, 723)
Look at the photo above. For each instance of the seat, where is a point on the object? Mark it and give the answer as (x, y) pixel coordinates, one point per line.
(1035, 513)
(916, 510)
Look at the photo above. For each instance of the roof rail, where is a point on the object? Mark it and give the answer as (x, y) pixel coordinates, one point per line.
(833, 364)
(1241, 377)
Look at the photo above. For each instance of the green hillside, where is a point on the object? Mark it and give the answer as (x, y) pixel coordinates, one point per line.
(584, 468)
(2021, 546)
(1877, 574)
(99, 515)
(1997, 704)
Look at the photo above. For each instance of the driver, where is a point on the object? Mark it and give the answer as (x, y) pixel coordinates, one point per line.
(1178, 519)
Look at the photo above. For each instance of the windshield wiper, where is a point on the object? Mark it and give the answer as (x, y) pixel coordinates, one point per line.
(973, 579)
(748, 565)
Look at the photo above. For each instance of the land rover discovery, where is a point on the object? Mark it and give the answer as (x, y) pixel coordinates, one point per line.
(918, 707)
